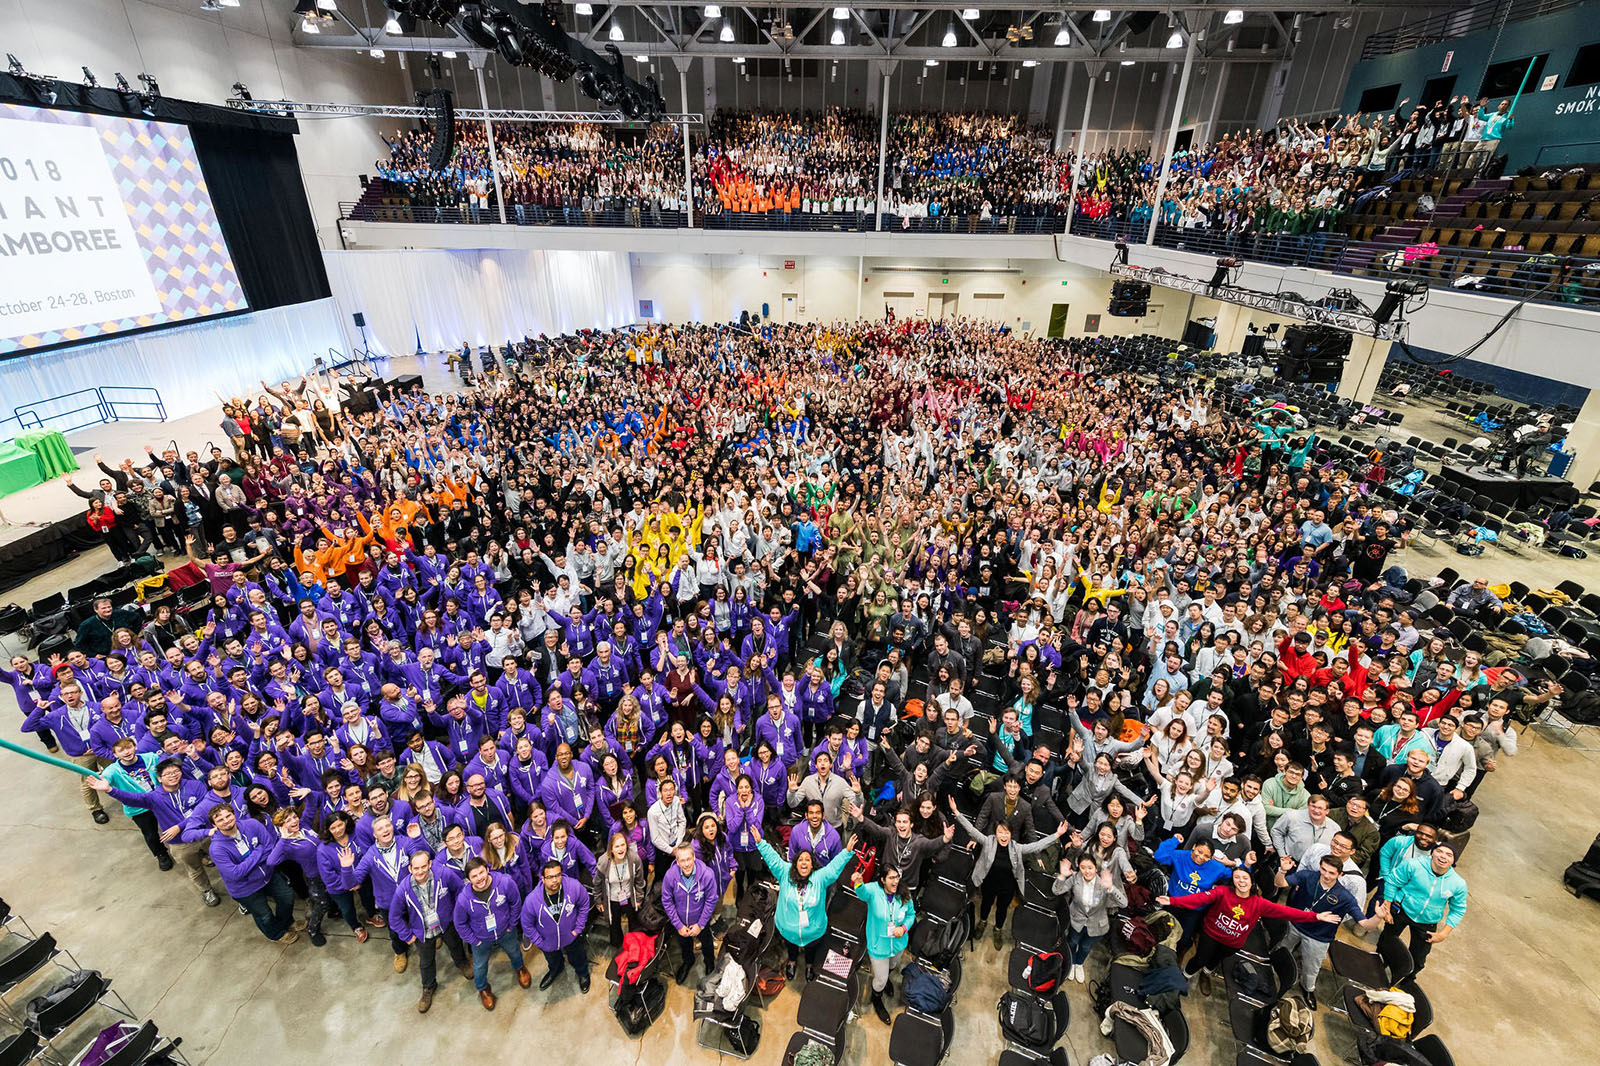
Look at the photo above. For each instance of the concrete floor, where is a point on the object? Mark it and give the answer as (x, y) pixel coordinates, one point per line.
(1520, 974)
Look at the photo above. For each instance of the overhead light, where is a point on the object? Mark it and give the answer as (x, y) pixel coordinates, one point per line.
(841, 13)
(713, 11)
(1063, 37)
(1108, 75)
(1122, 46)
(727, 32)
(931, 63)
(375, 53)
(739, 60)
(1230, 44)
(1127, 62)
(1233, 17)
(1176, 40)
(229, 3)
(1102, 15)
(837, 37)
(1029, 63)
(327, 5)
(392, 26)
(448, 55)
(970, 13)
(949, 36)
(582, 9)
(615, 33)
(309, 25)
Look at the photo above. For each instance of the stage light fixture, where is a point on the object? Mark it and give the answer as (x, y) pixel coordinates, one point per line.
(15, 66)
(1233, 17)
(1029, 64)
(447, 55)
(1127, 62)
(970, 13)
(1063, 37)
(1395, 295)
(375, 53)
(122, 84)
(391, 25)
(582, 9)
(713, 11)
(841, 13)
(1224, 264)
(89, 78)
(152, 89)
(1122, 252)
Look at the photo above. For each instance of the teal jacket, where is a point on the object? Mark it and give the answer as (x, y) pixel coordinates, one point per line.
(130, 782)
(1424, 895)
(802, 915)
(882, 912)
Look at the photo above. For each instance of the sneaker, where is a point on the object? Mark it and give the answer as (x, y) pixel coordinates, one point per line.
(400, 962)
(211, 898)
(378, 921)
(163, 863)
(425, 1001)
(100, 817)
(243, 911)
(361, 934)
(289, 938)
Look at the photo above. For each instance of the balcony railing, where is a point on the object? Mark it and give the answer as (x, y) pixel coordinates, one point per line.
(1448, 25)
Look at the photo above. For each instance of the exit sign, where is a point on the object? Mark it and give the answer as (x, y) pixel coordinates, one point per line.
(788, 264)
(944, 281)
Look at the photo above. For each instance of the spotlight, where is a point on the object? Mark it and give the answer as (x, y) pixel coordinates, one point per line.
(1127, 62)
(151, 88)
(1063, 37)
(713, 11)
(931, 63)
(1224, 264)
(1233, 17)
(582, 9)
(89, 79)
(375, 53)
(16, 67)
(122, 83)
(1122, 252)
(447, 55)
(478, 26)
(1394, 296)
(841, 13)
(970, 13)
(1030, 63)
(1102, 15)
(240, 92)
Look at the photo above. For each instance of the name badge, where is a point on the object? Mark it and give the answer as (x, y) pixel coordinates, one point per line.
(488, 922)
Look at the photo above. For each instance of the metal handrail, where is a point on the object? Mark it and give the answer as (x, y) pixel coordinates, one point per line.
(114, 404)
(1449, 25)
(33, 415)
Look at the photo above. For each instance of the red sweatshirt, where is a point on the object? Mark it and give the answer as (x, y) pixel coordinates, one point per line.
(1230, 918)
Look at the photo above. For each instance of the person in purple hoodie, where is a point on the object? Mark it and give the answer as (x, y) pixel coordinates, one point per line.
(422, 912)
(689, 896)
(241, 849)
(742, 814)
(554, 917)
(486, 916)
(384, 863)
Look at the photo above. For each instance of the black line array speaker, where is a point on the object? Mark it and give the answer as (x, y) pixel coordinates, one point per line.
(1313, 354)
(442, 104)
(1129, 299)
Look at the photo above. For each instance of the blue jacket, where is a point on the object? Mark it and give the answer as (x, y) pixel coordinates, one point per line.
(140, 777)
(1187, 877)
(406, 918)
(485, 920)
(882, 912)
(802, 914)
(1424, 895)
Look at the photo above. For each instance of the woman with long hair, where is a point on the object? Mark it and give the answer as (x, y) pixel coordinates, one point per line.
(337, 856)
(1232, 910)
(743, 813)
(502, 850)
(890, 915)
(802, 913)
(620, 877)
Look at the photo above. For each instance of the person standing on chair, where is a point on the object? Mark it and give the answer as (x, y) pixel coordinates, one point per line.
(1232, 911)
(998, 873)
(890, 916)
(802, 914)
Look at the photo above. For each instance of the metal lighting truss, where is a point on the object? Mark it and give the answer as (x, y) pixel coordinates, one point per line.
(1272, 303)
(463, 114)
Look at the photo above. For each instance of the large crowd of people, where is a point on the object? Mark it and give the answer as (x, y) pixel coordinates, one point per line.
(648, 616)
(1296, 180)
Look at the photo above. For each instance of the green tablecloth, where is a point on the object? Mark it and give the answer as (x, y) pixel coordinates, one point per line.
(55, 458)
(19, 469)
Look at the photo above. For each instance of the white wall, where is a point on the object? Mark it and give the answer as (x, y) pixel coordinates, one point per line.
(198, 55)
(710, 287)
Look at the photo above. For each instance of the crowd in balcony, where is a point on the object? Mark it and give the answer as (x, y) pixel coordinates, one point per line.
(1298, 179)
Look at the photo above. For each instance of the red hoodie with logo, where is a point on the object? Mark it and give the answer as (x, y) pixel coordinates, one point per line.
(1230, 917)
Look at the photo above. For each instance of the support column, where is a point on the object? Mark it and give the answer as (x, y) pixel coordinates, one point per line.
(682, 63)
(1368, 355)
(1216, 105)
(1162, 113)
(1061, 111)
(1172, 137)
(1093, 70)
(1584, 443)
(861, 262)
(887, 69)
(488, 129)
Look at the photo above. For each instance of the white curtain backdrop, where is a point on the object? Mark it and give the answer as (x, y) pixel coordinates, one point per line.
(189, 364)
(443, 298)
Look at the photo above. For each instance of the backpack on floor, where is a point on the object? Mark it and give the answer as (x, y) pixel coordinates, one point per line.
(744, 1036)
(1044, 971)
(925, 990)
(1026, 1020)
(639, 1007)
(1291, 1025)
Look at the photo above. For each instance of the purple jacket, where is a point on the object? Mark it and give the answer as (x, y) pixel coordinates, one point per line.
(823, 849)
(244, 864)
(384, 877)
(553, 926)
(690, 900)
(485, 920)
(405, 909)
(572, 800)
(744, 823)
